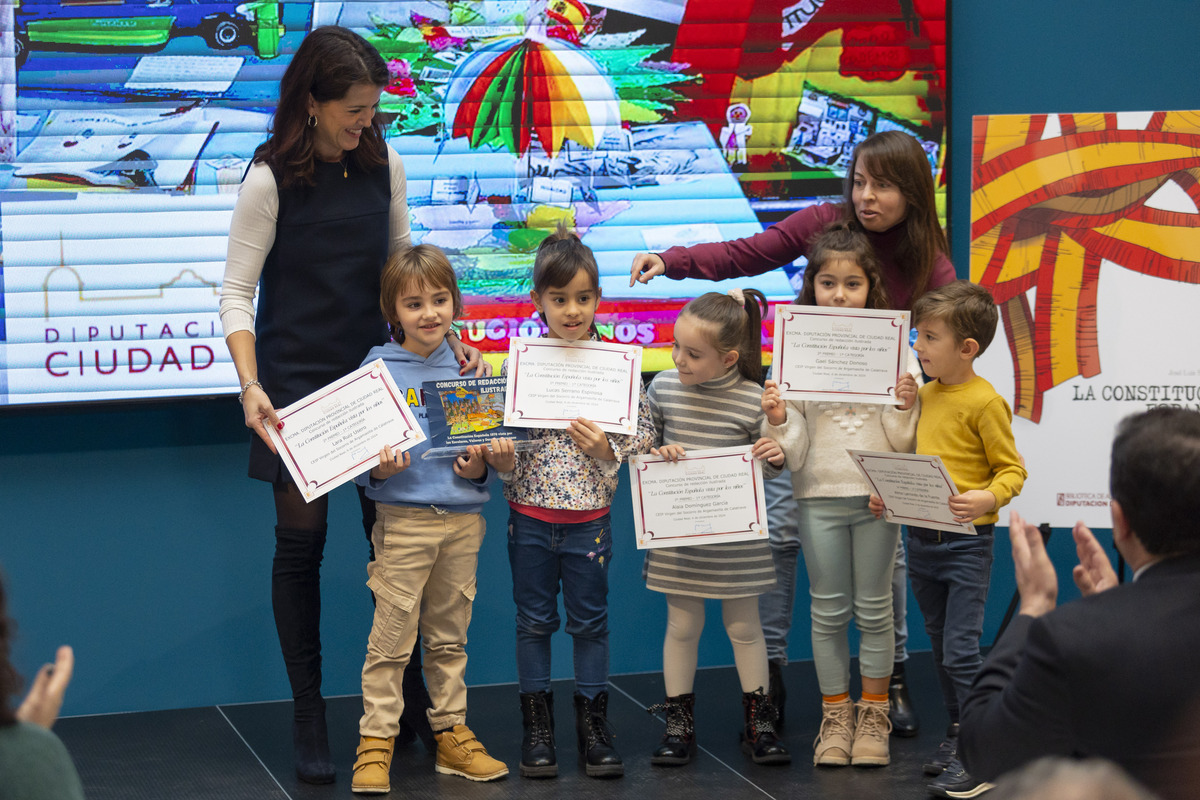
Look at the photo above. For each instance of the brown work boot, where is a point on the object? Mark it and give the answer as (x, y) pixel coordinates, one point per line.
(372, 770)
(460, 753)
(871, 729)
(836, 736)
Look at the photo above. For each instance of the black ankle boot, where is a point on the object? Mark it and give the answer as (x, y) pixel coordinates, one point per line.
(901, 713)
(414, 722)
(537, 746)
(758, 734)
(311, 740)
(594, 736)
(678, 744)
(776, 691)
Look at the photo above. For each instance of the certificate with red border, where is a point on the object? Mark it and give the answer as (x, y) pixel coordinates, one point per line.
(552, 382)
(336, 432)
(706, 497)
(852, 355)
(915, 489)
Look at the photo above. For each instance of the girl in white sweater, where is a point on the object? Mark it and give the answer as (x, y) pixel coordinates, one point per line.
(848, 553)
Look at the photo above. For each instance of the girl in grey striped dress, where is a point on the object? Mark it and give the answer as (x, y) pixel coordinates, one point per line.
(713, 399)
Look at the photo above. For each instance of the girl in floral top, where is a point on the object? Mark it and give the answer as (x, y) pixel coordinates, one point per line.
(559, 531)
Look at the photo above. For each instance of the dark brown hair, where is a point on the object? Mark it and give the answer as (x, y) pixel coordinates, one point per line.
(898, 158)
(843, 240)
(422, 266)
(731, 325)
(560, 257)
(966, 308)
(10, 681)
(327, 64)
(1154, 474)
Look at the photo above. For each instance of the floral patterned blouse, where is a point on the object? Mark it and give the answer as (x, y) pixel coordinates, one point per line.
(559, 475)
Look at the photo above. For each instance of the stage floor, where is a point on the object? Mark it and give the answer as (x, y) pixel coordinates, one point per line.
(244, 751)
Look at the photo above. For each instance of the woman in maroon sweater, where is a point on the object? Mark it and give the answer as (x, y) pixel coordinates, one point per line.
(889, 193)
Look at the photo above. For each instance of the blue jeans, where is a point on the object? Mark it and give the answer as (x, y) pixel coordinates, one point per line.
(950, 573)
(543, 556)
(775, 606)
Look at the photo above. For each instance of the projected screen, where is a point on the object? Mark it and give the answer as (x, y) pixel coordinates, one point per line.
(126, 127)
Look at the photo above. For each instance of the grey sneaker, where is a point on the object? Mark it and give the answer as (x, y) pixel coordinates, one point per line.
(956, 782)
(946, 752)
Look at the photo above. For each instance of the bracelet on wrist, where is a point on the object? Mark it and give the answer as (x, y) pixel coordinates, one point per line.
(247, 385)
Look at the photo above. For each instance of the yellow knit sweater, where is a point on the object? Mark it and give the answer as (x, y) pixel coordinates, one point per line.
(970, 426)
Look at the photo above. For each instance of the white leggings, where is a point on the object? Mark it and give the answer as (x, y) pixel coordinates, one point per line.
(685, 621)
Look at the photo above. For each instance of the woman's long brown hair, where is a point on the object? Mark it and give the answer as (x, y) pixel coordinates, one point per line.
(327, 64)
(899, 158)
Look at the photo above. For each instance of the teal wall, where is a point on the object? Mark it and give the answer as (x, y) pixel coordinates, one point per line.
(131, 532)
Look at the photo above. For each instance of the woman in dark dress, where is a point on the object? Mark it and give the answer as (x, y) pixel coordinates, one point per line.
(320, 209)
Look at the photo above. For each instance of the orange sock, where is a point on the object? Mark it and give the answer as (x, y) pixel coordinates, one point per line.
(836, 698)
(874, 698)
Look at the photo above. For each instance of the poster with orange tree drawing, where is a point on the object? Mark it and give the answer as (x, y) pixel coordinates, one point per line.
(1086, 229)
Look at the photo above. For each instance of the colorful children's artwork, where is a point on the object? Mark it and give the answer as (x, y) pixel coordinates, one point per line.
(466, 411)
(638, 125)
(1085, 229)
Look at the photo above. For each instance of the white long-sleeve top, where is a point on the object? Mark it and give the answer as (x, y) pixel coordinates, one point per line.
(816, 435)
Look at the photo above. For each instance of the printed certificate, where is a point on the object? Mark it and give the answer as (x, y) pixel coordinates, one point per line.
(849, 355)
(706, 497)
(552, 382)
(337, 432)
(915, 490)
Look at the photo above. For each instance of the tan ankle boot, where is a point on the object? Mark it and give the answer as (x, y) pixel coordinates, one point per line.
(372, 770)
(832, 747)
(871, 730)
(460, 753)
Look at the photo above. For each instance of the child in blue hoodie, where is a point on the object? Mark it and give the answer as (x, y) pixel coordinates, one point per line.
(426, 538)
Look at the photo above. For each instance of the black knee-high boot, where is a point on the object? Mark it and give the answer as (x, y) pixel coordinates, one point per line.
(296, 601)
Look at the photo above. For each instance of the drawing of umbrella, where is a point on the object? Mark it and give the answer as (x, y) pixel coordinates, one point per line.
(505, 94)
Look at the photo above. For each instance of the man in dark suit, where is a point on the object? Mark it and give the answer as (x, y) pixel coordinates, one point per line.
(1115, 674)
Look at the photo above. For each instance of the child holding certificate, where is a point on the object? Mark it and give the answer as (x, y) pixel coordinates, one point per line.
(560, 533)
(966, 423)
(713, 399)
(427, 534)
(849, 554)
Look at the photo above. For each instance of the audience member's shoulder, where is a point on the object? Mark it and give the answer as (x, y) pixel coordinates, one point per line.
(29, 737)
(35, 763)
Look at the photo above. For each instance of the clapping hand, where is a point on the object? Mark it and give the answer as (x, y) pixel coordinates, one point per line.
(45, 698)
(1037, 583)
(1093, 573)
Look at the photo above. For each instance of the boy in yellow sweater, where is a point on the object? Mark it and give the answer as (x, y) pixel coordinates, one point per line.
(969, 425)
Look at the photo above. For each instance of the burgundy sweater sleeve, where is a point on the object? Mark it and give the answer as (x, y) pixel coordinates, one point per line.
(943, 272)
(780, 244)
